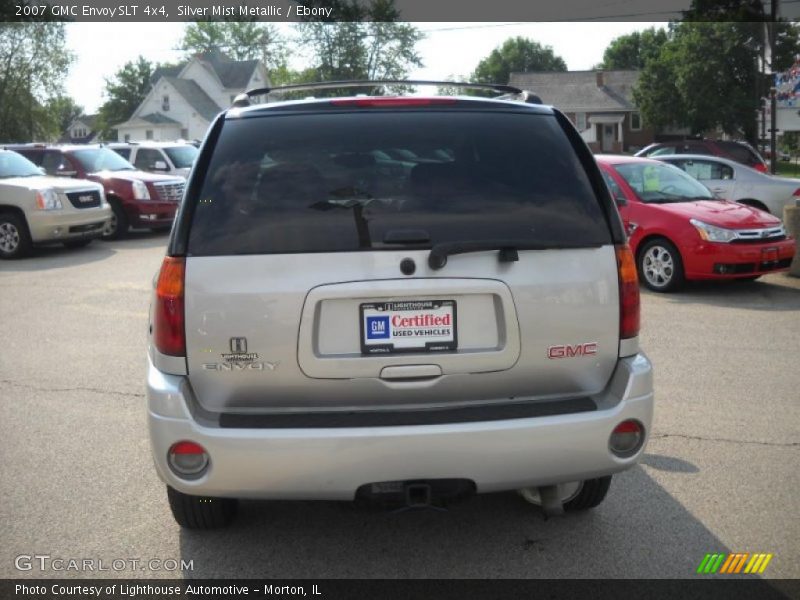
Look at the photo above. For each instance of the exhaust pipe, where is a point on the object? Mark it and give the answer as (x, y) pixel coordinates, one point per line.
(551, 501)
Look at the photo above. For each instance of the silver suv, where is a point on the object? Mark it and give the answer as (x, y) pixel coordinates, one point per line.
(400, 299)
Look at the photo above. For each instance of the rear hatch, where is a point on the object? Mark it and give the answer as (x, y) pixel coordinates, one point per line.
(310, 281)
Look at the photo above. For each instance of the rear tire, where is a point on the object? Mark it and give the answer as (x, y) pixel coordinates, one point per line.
(15, 239)
(660, 266)
(592, 494)
(201, 512)
(117, 228)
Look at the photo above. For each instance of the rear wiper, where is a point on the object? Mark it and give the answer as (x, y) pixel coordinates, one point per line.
(508, 249)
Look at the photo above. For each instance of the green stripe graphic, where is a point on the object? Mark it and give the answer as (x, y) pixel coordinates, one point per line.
(718, 564)
(702, 566)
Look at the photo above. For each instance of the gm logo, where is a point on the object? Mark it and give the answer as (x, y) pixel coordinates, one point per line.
(378, 328)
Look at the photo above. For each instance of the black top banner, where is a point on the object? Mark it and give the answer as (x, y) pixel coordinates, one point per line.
(407, 10)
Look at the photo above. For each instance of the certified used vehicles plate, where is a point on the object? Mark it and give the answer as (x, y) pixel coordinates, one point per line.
(408, 326)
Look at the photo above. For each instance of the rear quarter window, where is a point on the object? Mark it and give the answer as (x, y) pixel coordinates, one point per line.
(341, 181)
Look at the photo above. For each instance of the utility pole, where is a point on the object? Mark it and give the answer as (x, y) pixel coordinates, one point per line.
(773, 100)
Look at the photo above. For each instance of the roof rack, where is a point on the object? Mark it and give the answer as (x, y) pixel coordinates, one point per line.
(509, 92)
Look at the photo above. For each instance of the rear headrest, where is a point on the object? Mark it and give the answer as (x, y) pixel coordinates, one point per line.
(290, 183)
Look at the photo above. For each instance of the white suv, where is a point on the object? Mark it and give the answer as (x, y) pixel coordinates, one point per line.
(334, 323)
(36, 209)
(171, 158)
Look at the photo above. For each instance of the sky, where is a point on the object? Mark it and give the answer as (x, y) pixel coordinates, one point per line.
(449, 49)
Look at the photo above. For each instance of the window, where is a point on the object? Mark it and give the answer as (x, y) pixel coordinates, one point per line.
(616, 191)
(580, 121)
(636, 121)
(54, 163)
(127, 137)
(165, 103)
(340, 183)
(146, 159)
(148, 135)
(706, 170)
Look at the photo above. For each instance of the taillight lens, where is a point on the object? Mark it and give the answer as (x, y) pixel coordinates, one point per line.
(796, 192)
(628, 293)
(760, 167)
(627, 438)
(391, 101)
(168, 322)
(187, 459)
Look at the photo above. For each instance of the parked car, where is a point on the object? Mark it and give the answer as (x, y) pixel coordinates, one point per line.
(679, 230)
(137, 199)
(733, 181)
(36, 209)
(173, 158)
(741, 152)
(325, 326)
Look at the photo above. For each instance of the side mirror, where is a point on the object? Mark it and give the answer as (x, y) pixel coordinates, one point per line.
(160, 165)
(620, 200)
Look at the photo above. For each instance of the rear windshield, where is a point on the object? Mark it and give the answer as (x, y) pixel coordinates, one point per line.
(342, 182)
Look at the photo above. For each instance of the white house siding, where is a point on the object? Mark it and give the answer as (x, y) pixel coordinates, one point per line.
(138, 133)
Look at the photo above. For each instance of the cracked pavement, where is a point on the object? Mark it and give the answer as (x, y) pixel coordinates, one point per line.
(719, 475)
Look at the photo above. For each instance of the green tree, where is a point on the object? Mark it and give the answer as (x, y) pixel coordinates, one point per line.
(124, 92)
(514, 56)
(245, 40)
(371, 44)
(33, 63)
(706, 76)
(633, 50)
(63, 111)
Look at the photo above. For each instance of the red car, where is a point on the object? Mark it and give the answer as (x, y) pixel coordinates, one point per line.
(741, 152)
(679, 230)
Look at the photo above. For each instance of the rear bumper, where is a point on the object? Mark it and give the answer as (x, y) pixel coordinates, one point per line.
(332, 463)
(729, 261)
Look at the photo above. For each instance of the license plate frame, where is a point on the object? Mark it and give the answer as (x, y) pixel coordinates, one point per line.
(379, 336)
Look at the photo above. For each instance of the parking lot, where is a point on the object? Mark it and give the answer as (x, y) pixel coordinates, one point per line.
(77, 480)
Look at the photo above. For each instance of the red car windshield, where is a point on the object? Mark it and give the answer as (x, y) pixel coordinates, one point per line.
(662, 183)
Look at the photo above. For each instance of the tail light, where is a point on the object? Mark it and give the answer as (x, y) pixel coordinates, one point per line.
(628, 293)
(391, 101)
(761, 167)
(796, 192)
(168, 323)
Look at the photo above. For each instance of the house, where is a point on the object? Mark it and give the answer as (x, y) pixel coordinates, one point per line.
(599, 103)
(184, 99)
(81, 130)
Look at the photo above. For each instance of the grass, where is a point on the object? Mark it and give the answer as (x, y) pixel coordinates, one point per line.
(788, 169)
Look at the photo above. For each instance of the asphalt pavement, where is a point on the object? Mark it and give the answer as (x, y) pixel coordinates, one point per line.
(76, 478)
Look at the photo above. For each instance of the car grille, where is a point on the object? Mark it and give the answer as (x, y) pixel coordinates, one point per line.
(170, 191)
(770, 234)
(84, 199)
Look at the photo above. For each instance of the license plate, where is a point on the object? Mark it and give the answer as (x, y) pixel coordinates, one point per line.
(408, 326)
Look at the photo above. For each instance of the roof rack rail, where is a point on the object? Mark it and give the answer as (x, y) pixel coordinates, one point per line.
(508, 91)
